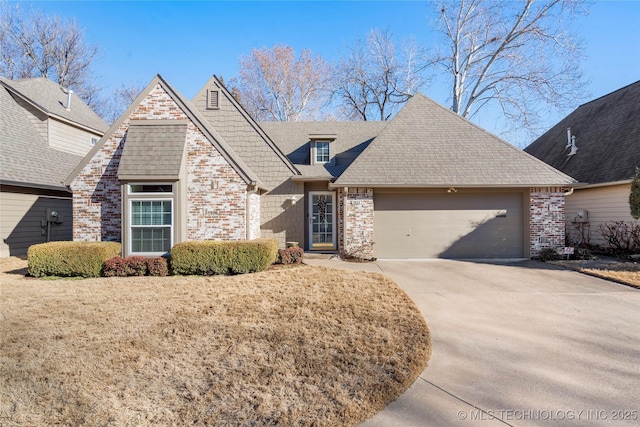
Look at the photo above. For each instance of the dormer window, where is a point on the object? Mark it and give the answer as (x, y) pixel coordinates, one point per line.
(322, 152)
(321, 149)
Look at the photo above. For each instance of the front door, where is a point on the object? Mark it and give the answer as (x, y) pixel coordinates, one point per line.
(322, 220)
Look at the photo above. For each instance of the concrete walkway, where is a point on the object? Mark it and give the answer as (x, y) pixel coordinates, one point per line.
(520, 343)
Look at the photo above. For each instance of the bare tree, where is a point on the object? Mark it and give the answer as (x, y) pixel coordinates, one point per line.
(274, 85)
(36, 45)
(376, 78)
(123, 96)
(513, 54)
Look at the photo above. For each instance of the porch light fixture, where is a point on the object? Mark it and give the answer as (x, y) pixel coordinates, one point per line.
(293, 199)
(452, 190)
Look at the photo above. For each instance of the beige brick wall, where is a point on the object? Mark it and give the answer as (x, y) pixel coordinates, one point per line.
(216, 195)
(546, 219)
(253, 208)
(355, 222)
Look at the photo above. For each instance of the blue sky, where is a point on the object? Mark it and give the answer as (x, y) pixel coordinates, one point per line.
(188, 41)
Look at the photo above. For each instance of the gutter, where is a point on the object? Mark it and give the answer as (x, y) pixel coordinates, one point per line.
(36, 186)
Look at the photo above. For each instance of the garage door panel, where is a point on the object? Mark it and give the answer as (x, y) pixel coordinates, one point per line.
(420, 225)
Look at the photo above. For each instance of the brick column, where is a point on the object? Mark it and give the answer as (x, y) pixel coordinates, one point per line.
(546, 219)
(356, 206)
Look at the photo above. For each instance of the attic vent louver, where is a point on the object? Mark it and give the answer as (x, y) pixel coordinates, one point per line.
(213, 99)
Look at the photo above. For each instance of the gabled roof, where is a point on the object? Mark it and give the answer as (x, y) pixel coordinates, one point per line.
(51, 98)
(195, 116)
(426, 145)
(154, 150)
(349, 139)
(26, 160)
(607, 132)
(244, 135)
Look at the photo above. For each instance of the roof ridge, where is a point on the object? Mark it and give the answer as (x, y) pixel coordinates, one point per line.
(257, 127)
(608, 94)
(189, 109)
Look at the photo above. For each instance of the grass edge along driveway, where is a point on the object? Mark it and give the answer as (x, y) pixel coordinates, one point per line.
(298, 346)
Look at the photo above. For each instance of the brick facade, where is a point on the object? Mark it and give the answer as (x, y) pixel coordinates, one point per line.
(546, 219)
(216, 195)
(355, 222)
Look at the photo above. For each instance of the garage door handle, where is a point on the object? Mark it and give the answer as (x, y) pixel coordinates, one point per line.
(409, 233)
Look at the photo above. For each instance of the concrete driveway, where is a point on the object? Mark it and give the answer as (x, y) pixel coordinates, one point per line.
(520, 343)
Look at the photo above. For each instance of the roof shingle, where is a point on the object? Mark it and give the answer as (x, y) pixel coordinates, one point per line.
(25, 158)
(607, 132)
(426, 145)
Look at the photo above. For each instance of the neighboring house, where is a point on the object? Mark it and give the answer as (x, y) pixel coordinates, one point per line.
(42, 138)
(426, 184)
(598, 145)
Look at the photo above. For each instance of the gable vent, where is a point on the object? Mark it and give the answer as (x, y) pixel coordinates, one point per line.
(213, 99)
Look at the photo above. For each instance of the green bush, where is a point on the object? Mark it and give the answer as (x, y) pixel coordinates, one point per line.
(67, 259)
(211, 257)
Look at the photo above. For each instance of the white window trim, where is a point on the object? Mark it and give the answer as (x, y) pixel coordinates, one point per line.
(314, 153)
(150, 197)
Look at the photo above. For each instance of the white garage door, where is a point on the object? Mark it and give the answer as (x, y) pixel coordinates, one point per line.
(448, 225)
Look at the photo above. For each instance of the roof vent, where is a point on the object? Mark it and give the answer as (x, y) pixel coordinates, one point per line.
(574, 148)
(213, 99)
(69, 93)
(568, 138)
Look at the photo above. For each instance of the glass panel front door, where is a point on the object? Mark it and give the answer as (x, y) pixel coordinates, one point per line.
(322, 221)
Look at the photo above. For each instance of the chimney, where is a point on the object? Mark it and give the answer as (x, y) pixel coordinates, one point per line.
(69, 93)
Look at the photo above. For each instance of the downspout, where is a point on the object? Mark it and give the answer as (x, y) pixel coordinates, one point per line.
(570, 192)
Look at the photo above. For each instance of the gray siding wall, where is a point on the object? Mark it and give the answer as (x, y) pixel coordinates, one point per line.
(21, 213)
(37, 118)
(70, 139)
(604, 204)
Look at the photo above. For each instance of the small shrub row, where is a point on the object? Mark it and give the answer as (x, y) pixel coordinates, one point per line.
(135, 266)
(66, 259)
(292, 255)
(211, 257)
(549, 254)
(622, 238)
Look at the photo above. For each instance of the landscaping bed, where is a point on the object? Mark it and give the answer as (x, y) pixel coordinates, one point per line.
(297, 346)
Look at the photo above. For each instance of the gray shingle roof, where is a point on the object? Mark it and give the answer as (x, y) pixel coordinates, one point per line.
(52, 99)
(244, 135)
(198, 120)
(25, 158)
(427, 145)
(607, 132)
(153, 150)
(351, 138)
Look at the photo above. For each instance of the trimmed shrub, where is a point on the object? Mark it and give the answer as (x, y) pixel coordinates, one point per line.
(66, 259)
(291, 255)
(136, 265)
(157, 266)
(209, 257)
(115, 267)
(550, 254)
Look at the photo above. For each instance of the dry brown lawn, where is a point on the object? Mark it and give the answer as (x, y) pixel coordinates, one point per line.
(627, 273)
(305, 346)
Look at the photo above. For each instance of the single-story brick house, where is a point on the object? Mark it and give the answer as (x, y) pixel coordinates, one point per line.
(426, 184)
(599, 145)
